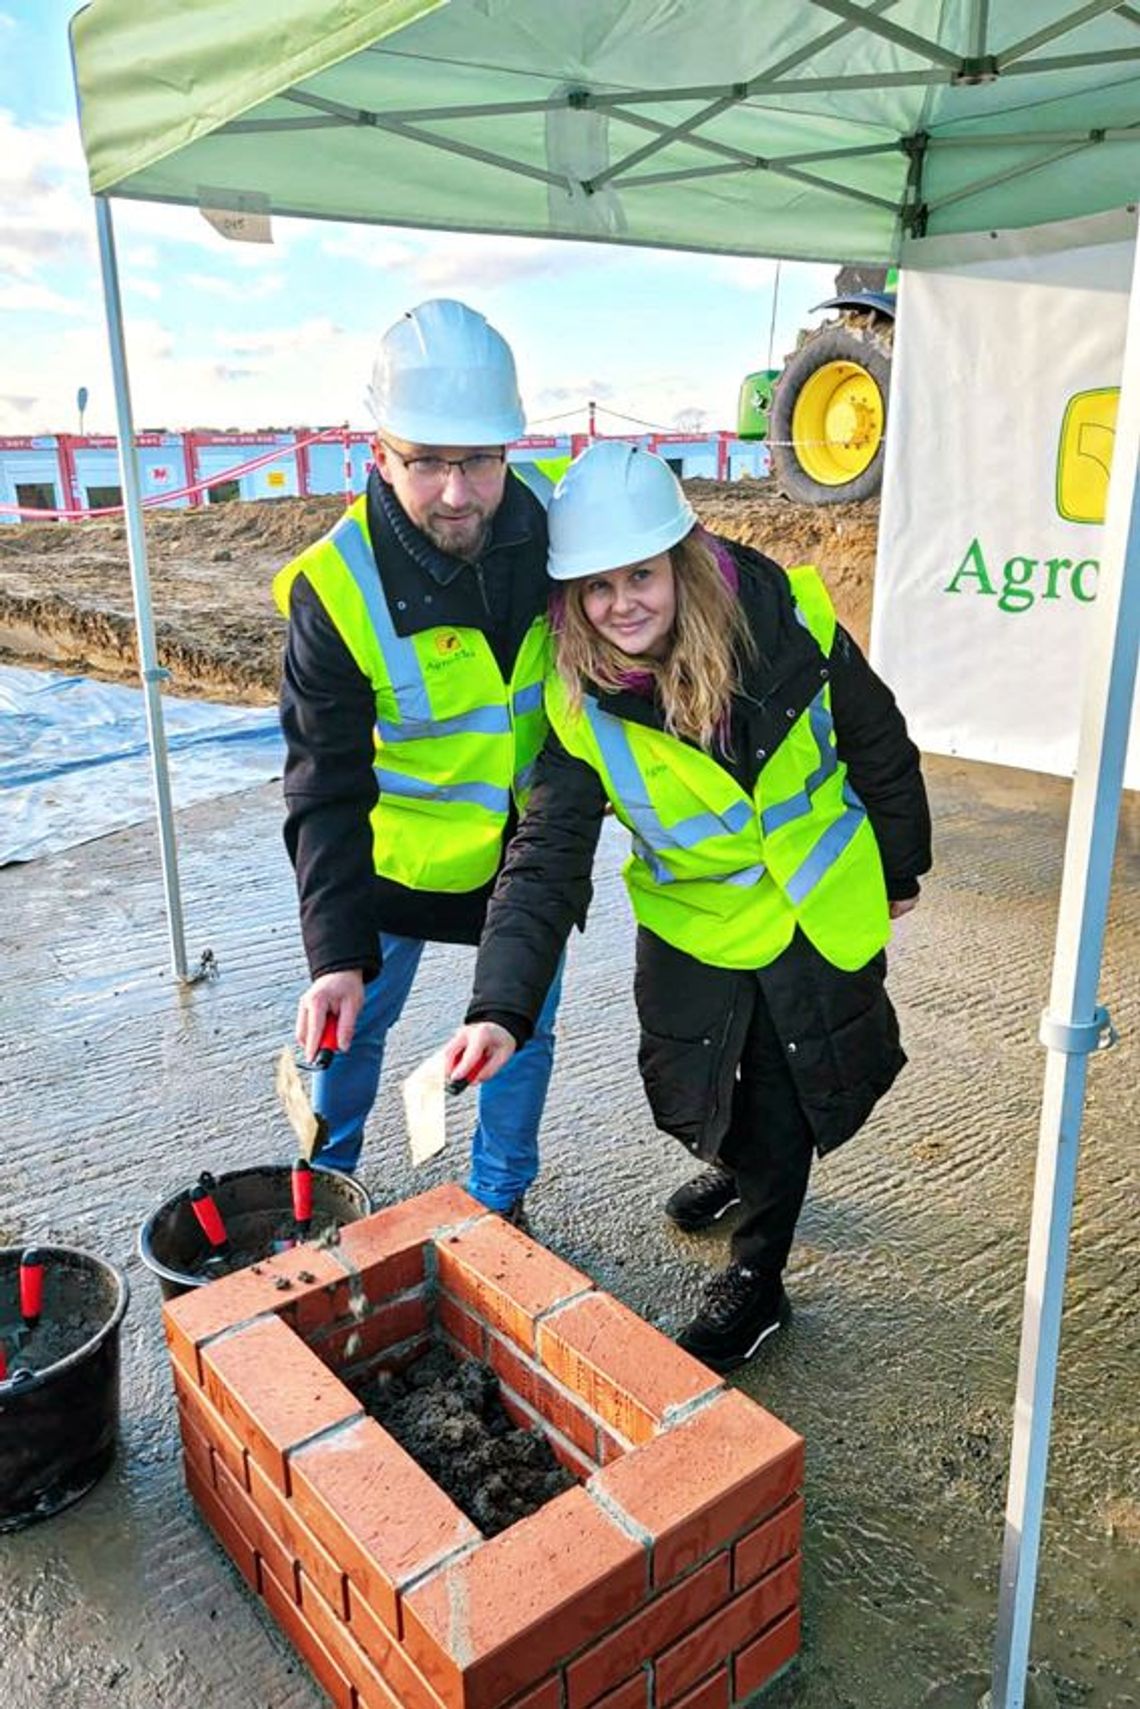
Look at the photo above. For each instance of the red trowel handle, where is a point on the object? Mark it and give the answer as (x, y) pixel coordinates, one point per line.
(327, 1047)
(31, 1286)
(209, 1216)
(303, 1194)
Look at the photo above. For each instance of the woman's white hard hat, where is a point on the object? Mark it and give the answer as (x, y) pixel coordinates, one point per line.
(443, 376)
(616, 504)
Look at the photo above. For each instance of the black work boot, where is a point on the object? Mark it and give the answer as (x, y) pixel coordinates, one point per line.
(516, 1215)
(740, 1309)
(704, 1199)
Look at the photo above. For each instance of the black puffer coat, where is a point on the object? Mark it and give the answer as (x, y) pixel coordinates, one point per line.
(839, 1028)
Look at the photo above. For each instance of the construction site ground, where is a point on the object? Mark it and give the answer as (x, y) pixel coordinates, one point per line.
(117, 1086)
(65, 591)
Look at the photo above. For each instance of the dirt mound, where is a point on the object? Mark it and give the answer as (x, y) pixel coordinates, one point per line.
(65, 590)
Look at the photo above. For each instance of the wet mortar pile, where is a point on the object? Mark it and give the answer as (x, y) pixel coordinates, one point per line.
(448, 1416)
(52, 1339)
(254, 1235)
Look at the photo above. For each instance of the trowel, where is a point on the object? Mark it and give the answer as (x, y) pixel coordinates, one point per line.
(311, 1130)
(426, 1092)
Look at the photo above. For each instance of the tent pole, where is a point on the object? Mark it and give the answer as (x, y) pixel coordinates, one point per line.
(150, 671)
(1073, 1025)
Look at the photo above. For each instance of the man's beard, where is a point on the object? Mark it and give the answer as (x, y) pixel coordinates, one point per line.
(466, 545)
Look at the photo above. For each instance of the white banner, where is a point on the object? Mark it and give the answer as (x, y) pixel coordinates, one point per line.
(1008, 352)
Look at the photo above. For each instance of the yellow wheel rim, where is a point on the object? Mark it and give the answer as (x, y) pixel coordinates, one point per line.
(837, 423)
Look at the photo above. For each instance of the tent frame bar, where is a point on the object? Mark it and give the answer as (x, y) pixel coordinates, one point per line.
(150, 671)
(1074, 1023)
(1063, 27)
(861, 18)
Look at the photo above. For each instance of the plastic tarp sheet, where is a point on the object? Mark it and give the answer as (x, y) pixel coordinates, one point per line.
(780, 128)
(74, 762)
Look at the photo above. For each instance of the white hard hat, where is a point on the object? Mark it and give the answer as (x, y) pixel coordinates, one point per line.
(444, 377)
(616, 504)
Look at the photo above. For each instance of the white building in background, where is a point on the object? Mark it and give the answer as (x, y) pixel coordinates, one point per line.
(53, 473)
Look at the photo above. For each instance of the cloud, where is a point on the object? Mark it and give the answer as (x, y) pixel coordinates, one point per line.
(27, 297)
(144, 255)
(134, 286)
(17, 405)
(45, 215)
(235, 290)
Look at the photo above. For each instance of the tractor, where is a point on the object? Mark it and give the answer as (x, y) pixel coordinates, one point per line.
(824, 414)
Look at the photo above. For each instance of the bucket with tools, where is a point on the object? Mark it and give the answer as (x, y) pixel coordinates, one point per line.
(60, 1314)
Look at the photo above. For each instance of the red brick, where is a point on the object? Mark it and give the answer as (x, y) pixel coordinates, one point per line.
(253, 1525)
(386, 1249)
(294, 1538)
(273, 1392)
(359, 1339)
(327, 1671)
(578, 1465)
(701, 1483)
(648, 1633)
(757, 1664)
(625, 1371)
(376, 1511)
(688, 1660)
(634, 1694)
(340, 1641)
(505, 1615)
(611, 1447)
(461, 1326)
(501, 1275)
(227, 1533)
(523, 1376)
(548, 1695)
(387, 1655)
(190, 1321)
(770, 1543)
(712, 1693)
(195, 1446)
(195, 1409)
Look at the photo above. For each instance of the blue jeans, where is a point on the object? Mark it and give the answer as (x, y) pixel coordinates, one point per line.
(504, 1146)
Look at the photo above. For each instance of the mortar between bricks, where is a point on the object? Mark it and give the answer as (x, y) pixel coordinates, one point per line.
(671, 1567)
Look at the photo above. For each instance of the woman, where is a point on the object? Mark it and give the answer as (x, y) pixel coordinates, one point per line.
(779, 822)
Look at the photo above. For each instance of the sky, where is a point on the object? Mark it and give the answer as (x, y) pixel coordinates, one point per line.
(238, 335)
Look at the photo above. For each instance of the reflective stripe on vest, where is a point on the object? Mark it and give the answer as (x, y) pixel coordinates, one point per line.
(445, 770)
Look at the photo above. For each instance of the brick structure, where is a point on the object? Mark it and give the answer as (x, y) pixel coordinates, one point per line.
(667, 1578)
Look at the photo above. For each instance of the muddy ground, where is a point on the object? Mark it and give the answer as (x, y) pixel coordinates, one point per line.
(65, 592)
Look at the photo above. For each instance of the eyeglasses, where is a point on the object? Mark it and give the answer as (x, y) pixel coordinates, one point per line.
(434, 471)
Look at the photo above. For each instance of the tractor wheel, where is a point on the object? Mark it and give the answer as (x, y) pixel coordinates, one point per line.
(829, 412)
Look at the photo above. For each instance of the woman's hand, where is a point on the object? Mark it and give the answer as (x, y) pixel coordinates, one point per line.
(477, 1052)
(903, 907)
(340, 994)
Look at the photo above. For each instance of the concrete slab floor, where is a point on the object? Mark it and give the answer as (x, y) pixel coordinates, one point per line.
(116, 1088)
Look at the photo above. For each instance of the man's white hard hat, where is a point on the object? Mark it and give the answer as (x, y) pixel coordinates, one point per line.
(616, 504)
(443, 376)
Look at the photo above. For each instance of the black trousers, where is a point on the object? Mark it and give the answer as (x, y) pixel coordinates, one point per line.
(769, 1148)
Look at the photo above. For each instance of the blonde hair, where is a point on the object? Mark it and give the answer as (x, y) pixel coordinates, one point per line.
(696, 678)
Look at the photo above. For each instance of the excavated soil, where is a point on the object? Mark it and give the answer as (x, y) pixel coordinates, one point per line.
(65, 591)
(448, 1416)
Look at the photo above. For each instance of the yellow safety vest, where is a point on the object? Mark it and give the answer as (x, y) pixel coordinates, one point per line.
(725, 876)
(453, 741)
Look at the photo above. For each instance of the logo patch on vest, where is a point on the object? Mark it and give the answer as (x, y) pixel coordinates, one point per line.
(448, 642)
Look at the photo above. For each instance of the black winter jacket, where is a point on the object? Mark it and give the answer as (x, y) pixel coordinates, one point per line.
(840, 1030)
(328, 711)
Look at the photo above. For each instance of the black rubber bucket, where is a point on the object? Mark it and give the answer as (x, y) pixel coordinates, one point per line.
(59, 1427)
(253, 1203)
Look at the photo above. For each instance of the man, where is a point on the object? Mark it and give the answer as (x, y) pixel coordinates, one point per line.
(412, 710)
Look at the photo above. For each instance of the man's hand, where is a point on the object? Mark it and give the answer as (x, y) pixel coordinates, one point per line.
(477, 1052)
(903, 907)
(340, 994)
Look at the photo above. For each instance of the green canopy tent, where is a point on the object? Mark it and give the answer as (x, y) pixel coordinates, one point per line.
(808, 129)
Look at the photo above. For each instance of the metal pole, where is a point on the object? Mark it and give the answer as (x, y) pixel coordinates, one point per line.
(1073, 1025)
(149, 669)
